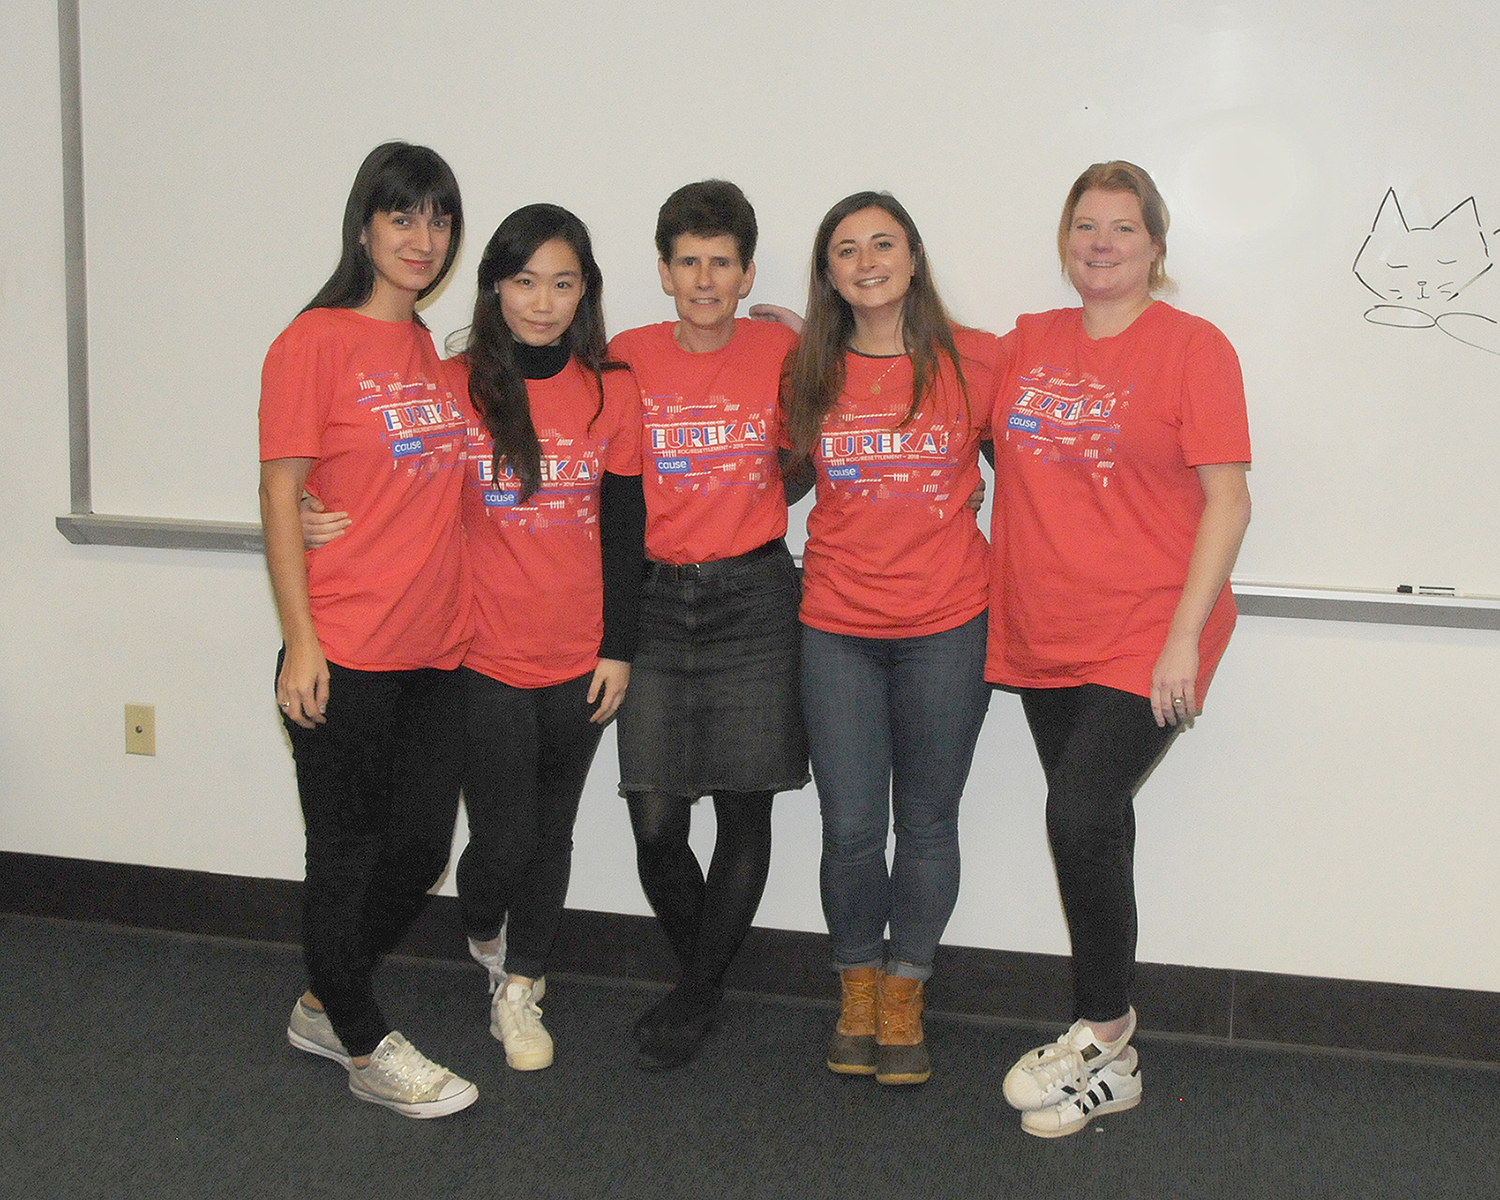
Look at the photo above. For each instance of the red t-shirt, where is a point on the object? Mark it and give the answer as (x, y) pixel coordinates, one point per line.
(369, 400)
(538, 576)
(891, 549)
(708, 453)
(1097, 501)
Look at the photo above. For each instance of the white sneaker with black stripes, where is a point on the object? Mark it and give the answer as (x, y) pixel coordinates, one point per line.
(1051, 1073)
(1114, 1087)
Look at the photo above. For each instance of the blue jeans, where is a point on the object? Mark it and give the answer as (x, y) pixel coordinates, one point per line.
(892, 723)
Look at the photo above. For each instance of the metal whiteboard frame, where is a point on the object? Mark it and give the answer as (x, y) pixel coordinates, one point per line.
(83, 525)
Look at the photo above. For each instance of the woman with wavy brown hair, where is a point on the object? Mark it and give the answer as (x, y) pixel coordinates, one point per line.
(889, 399)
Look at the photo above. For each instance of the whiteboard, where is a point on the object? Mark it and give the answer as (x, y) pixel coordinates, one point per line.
(219, 143)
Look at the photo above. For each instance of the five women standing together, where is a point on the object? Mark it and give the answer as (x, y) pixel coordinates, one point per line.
(1121, 449)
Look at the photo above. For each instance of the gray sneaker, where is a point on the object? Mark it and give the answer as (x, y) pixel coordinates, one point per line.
(309, 1029)
(400, 1078)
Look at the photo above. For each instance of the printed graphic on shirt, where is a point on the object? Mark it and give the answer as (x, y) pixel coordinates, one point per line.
(1062, 419)
(421, 422)
(870, 457)
(702, 447)
(569, 493)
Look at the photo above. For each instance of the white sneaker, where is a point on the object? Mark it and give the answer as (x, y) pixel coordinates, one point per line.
(494, 962)
(516, 1021)
(1114, 1087)
(1049, 1074)
(400, 1078)
(309, 1029)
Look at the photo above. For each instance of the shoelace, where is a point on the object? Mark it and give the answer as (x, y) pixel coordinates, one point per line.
(493, 963)
(525, 1010)
(417, 1074)
(1061, 1065)
(859, 1004)
(902, 1023)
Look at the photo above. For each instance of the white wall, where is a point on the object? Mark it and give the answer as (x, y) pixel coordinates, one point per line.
(1333, 813)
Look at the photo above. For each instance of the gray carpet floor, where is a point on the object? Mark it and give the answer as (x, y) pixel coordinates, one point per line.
(144, 1064)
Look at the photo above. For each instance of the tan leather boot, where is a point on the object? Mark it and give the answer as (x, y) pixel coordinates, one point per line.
(852, 1049)
(900, 1051)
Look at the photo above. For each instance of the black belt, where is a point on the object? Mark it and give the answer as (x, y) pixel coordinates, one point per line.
(717, 566)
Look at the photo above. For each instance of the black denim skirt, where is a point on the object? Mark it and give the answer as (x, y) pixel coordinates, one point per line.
(714, 702)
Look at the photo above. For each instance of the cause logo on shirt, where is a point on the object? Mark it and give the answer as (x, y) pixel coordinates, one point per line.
(1059, 419)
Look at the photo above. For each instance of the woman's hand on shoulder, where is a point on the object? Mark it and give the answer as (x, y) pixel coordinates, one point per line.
(781, 316)
(319, 527)
(611, 678)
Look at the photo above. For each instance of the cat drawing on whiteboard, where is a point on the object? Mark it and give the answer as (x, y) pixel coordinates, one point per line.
(1423, 275)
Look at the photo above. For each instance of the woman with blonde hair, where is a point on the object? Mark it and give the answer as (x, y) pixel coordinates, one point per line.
(1121, 499)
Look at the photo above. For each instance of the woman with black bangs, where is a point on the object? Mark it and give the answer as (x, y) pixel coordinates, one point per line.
(357, 406)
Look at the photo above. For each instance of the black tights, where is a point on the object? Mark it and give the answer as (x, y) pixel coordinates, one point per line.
(1096, 745)
(705, 920)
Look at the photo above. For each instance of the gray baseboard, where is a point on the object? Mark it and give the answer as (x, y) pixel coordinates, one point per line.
(1002, 985)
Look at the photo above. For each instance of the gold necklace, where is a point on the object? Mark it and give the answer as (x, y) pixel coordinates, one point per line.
(875, 387)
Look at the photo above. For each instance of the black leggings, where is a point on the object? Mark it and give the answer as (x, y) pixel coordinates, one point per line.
(529, 751)
(379, 789)
(1096, 745)
(705, 920)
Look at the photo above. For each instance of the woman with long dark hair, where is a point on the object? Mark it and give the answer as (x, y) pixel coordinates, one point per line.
(553, 517)
(357, 406)
(889, 399)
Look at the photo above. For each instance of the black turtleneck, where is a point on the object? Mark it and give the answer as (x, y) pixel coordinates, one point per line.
(539, 362)
(622, 525)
